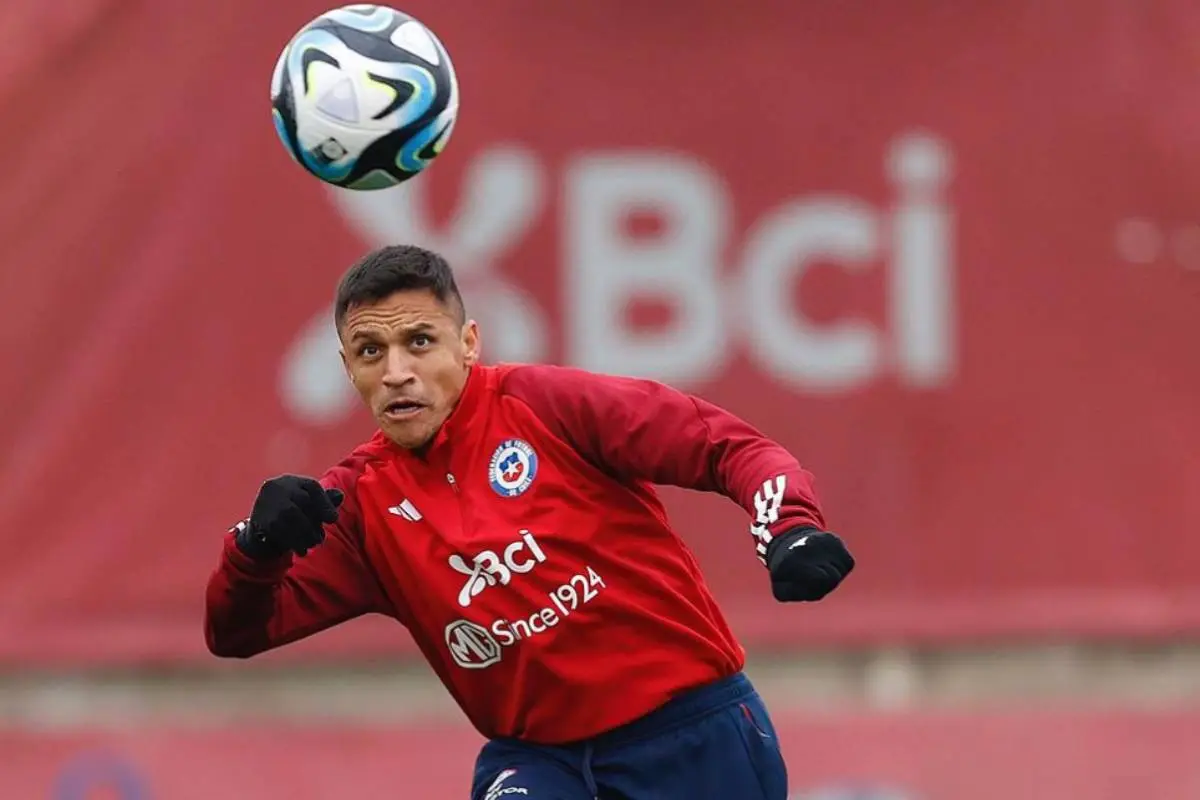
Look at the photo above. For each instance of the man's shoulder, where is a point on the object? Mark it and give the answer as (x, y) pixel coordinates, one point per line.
(377, 448)
(361, 458)
(521, 379)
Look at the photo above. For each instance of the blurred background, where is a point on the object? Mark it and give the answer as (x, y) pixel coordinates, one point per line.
(947, 252)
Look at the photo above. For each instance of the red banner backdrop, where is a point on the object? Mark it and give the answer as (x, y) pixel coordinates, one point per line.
(947, 252)
(1033, 756)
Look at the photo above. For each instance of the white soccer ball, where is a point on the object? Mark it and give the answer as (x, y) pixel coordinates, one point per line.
(364, 97)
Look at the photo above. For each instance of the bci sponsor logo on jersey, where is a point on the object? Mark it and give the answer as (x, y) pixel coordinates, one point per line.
(512, 468)
(490, 568)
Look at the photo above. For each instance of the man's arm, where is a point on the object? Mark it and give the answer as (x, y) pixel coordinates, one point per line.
(645, 430)
(258, 604)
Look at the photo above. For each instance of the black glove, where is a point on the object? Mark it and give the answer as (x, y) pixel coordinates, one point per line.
(807, 564)
(287, 517)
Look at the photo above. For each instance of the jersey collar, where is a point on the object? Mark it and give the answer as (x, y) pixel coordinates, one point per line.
(464, 420)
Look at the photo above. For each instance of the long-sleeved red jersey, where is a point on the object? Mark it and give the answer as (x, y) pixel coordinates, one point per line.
(527, 552)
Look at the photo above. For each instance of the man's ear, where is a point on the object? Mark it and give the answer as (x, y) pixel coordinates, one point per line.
(471, 343)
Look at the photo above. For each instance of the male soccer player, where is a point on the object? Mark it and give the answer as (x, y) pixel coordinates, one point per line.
(506, 516)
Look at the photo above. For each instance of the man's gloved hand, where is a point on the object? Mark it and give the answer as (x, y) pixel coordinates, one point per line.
(287, 517)
(807, 564)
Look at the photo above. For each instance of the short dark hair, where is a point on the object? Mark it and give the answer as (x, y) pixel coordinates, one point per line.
(396, 268)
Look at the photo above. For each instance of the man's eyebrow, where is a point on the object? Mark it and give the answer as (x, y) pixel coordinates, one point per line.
(371, 332)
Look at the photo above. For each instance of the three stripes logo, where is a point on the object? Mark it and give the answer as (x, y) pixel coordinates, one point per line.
(406, 510)
(768, 502)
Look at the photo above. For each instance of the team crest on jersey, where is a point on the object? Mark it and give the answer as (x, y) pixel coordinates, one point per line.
(513, 467)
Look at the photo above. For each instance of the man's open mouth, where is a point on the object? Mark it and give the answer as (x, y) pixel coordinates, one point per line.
(402, 408)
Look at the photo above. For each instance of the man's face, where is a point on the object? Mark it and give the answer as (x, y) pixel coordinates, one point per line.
(408, 355)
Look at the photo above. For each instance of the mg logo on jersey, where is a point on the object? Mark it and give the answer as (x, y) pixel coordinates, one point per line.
(490, 568)
(471, 646)
(512, 468)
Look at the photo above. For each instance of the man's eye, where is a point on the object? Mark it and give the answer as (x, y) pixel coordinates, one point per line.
(422, 340)
(368, 351)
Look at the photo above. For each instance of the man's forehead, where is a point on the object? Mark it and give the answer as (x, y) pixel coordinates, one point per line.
(399, 311)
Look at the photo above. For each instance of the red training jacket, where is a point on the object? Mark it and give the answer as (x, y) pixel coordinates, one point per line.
(527, 552)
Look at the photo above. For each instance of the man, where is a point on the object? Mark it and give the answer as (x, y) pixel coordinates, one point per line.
(505, 515)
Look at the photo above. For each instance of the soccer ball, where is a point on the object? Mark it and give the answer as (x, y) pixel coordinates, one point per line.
(364, 97)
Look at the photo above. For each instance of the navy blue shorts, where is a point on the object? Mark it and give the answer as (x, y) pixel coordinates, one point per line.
(714, 743)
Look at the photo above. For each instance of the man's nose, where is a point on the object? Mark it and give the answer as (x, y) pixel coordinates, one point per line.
(399, 368)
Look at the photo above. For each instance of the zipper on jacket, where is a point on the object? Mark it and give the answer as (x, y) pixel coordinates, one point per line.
(462, 522)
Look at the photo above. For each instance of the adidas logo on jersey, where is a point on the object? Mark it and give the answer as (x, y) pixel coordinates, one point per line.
(406, 510)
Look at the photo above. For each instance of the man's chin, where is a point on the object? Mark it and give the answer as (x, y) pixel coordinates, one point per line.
(411, 433)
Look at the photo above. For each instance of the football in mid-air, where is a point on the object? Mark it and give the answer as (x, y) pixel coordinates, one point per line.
(364, 97)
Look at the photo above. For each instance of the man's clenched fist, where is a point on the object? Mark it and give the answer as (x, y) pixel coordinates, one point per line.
(807, 564)
(288, 515)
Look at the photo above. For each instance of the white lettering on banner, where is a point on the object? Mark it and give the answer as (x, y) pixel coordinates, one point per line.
(605, 269)
(489, 568)
(472, 646)
(782, 245)
(768, 502)
(922, 277)
(682, 264)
